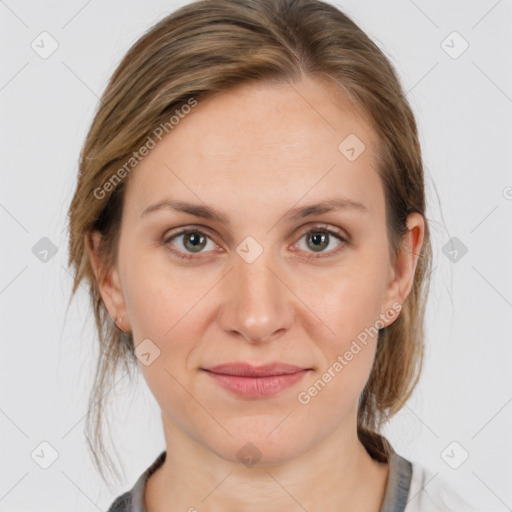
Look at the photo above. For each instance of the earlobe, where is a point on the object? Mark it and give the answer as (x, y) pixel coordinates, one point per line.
(107, 278)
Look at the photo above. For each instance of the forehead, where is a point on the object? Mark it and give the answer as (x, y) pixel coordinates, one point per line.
(262, 144)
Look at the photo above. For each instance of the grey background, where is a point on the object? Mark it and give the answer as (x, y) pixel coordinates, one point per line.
(464, 111)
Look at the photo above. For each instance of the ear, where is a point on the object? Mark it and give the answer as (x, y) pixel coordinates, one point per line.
(108, 281)
(402, 272)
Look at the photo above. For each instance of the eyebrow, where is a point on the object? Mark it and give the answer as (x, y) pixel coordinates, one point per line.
(206, 212)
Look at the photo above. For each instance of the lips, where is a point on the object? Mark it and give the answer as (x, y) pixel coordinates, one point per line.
(248, 370)
(251, 382)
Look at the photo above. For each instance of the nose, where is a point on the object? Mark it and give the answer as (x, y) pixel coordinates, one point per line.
(257, 304)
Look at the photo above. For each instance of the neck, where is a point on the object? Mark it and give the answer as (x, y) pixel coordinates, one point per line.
(336, 474)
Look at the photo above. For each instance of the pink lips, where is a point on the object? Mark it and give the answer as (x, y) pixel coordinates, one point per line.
(250, 381)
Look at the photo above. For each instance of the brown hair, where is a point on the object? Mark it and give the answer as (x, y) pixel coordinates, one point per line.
(206, 48)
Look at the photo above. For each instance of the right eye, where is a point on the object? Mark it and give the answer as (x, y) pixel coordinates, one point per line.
(191, 239)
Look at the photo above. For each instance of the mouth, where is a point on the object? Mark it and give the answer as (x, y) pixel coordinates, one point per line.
(248, 381)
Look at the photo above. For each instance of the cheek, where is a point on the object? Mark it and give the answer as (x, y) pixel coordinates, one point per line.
(159, 295)
(349, 299)
(165, 305)
(347, 356)
(350, 306)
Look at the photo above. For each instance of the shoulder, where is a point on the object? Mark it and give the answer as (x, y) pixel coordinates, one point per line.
(122, 503)
(428, 492)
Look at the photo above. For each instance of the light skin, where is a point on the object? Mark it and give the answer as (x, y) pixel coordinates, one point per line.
(254, 153)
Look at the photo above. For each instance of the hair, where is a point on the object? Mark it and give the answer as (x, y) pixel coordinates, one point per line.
(206, 48)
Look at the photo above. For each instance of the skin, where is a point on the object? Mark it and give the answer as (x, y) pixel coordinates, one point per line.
(254, 153)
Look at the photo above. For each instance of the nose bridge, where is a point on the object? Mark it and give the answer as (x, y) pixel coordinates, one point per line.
(257, 282)
(258, 305)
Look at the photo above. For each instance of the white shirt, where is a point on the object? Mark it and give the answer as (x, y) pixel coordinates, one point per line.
(428, 492)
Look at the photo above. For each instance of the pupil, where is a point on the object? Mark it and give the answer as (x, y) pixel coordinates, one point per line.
(321, 238)
(195, 239)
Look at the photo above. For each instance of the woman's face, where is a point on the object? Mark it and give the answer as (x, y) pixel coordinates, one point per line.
(248, 284)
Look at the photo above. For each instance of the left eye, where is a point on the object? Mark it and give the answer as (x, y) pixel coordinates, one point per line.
(318, 239)
(193, 241)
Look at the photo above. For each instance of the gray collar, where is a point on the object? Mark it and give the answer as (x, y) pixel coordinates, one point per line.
(397, 486)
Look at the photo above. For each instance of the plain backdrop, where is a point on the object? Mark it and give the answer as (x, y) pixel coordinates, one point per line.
(462, 407)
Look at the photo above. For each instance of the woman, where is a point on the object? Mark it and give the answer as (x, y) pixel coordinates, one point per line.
(250, 218)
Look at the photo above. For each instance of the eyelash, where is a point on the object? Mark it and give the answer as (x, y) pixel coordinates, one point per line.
(315, 229)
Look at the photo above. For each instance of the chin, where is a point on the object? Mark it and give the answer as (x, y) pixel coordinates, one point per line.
(264, 446)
